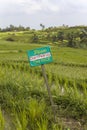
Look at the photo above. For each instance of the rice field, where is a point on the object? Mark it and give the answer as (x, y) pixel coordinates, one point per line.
(23, 95)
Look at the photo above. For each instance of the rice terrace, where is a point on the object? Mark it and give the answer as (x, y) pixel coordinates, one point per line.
(24, 100)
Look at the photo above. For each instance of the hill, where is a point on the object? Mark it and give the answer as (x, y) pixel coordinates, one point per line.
(75, 37)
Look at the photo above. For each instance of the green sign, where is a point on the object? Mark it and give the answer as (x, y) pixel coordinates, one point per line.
(40, 56)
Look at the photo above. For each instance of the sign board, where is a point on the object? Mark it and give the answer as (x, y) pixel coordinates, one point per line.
(40, 56)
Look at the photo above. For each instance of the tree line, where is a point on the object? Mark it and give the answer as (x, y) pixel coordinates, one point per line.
(14, 28)
(75, 36)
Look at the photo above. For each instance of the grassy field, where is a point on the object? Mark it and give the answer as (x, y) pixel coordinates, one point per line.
(23, 95)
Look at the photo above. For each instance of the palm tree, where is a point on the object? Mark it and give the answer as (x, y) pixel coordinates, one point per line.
(42, 26)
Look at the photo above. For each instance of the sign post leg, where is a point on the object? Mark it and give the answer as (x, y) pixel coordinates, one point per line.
(48, 89)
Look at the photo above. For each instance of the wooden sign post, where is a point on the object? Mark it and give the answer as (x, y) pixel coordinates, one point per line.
(41, 56)
(49, 91)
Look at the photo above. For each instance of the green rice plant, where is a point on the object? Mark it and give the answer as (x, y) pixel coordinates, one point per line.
(42, 124)
(18, 124)
(57, 127)
(77, 94)
(56, 88)
(21, 120)
(36, 109)
(35, 112)
(50, 78)
(2, 121)
(85, 90)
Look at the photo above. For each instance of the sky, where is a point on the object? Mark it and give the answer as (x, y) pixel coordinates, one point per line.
(50, 13)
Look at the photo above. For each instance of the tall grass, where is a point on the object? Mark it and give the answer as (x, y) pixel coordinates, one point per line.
(21, 120)
(31, 117)
(2, 121)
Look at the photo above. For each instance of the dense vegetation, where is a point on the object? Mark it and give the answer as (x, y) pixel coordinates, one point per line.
(24, 100)
(62, 36)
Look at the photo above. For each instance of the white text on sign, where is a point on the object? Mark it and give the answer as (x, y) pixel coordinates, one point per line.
(37, 57)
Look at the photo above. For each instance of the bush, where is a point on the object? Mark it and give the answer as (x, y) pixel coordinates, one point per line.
(10, 39)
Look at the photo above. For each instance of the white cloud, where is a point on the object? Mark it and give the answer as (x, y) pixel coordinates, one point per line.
(77, 4)
(33, 6)
(48, 11)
